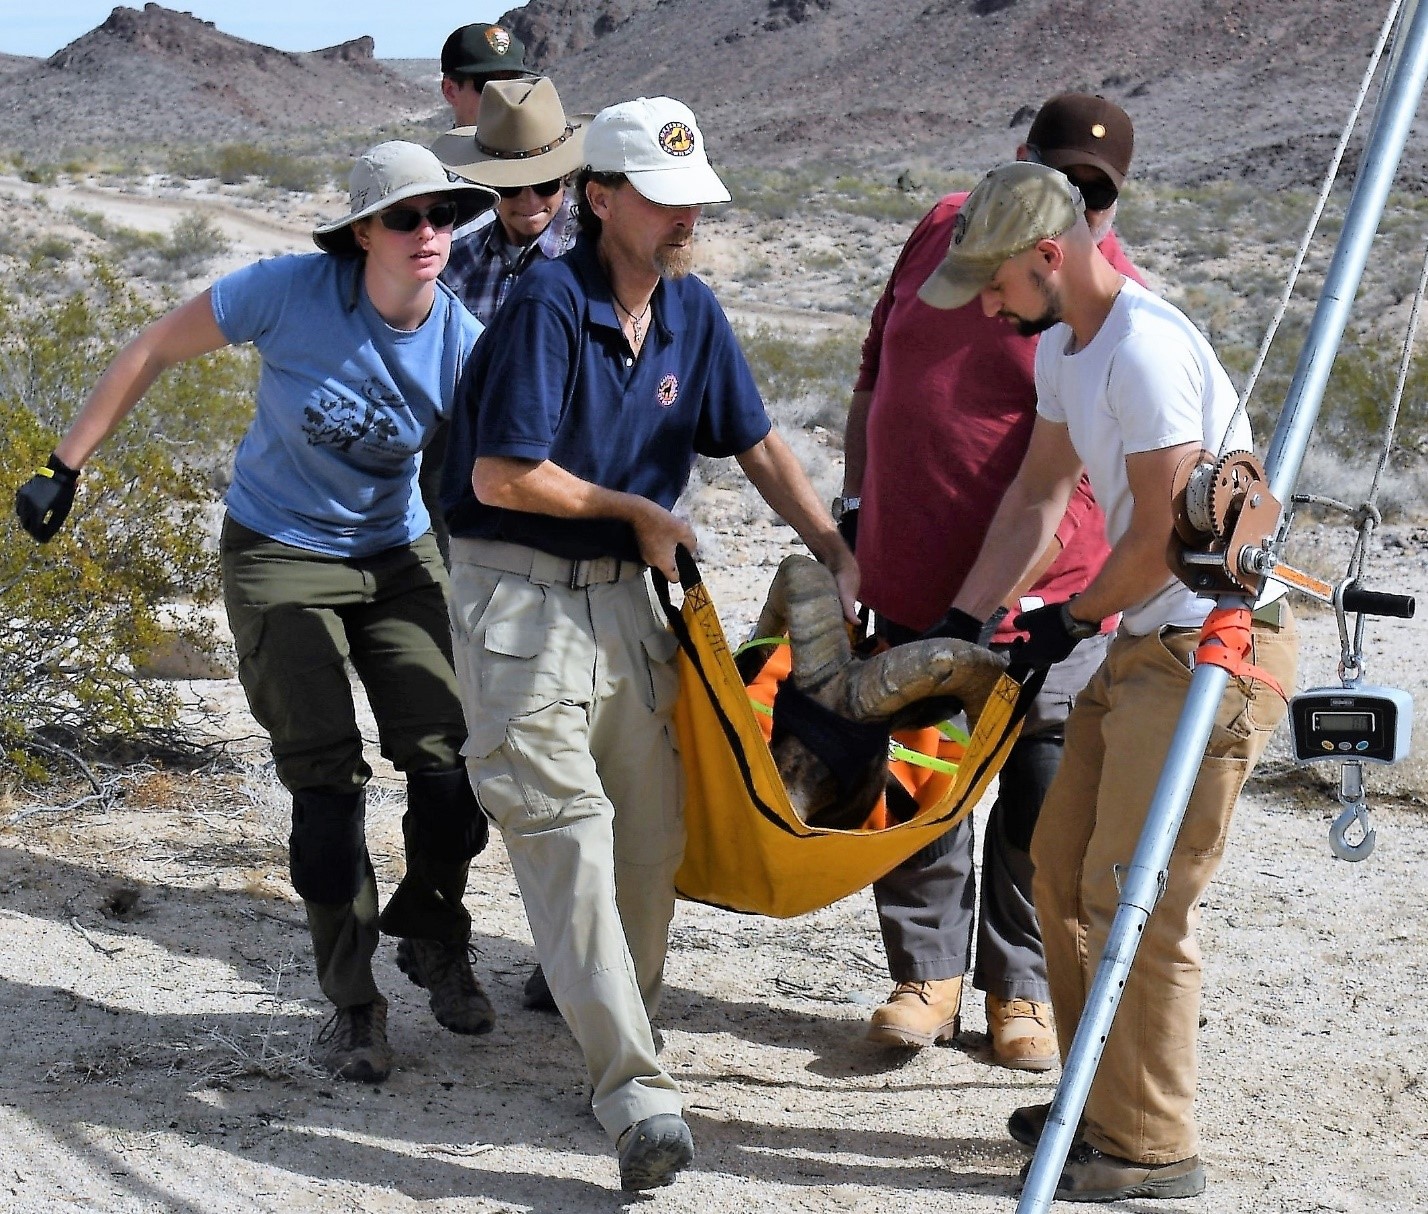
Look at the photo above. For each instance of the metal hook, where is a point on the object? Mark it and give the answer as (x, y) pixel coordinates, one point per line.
(1339, 844)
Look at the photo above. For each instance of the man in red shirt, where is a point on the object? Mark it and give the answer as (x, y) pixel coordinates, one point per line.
(941, 414)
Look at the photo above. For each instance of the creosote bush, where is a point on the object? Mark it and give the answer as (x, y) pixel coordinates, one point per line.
(78, 608)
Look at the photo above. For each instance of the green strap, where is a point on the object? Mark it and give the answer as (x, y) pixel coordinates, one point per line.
(756, 642)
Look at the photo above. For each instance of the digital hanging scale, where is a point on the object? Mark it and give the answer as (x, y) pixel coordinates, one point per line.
(1374, 724)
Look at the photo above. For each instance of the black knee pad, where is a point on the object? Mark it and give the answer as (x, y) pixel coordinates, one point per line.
(327, 851)
(443, 816)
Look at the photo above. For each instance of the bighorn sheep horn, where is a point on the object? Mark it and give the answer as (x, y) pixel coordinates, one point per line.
(884, 689)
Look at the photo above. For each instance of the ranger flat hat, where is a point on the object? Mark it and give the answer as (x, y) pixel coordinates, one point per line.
(388, 174)
(523, 137)
(1011, 209)
(482, 50)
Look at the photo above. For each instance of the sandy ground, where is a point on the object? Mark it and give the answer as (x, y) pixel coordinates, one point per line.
(158, 1004)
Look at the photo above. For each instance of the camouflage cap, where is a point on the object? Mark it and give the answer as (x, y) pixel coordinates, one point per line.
(1011, 209)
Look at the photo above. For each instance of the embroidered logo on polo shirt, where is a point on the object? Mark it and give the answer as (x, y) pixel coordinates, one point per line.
(499, 40)
(667, 392)
(676, 139)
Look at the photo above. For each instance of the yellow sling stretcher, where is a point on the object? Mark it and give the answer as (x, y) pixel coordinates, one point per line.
(746, 849)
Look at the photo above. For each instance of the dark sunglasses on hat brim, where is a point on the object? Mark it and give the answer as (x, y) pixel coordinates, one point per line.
(1099, 193)
(542, 189)
(401, 218)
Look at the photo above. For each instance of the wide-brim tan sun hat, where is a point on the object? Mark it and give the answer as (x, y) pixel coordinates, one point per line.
(388, 174)
(523, 138)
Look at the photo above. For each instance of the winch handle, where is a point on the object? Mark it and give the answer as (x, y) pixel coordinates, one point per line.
(1376, 602)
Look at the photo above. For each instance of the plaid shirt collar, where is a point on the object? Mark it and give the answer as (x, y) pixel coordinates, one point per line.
(483, 266)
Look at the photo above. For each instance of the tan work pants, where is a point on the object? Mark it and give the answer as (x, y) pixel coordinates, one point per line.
(568, 692)
(1117, 737)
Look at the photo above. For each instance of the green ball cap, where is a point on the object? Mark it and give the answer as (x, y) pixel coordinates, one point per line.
(1011, 209)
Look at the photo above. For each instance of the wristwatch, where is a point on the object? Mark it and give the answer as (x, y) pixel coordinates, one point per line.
(841, 506)
(1076, 629)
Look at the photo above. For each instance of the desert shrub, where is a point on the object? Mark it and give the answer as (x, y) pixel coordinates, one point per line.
(806, 382)
(79, 607)
(182, 253)
(235, 163)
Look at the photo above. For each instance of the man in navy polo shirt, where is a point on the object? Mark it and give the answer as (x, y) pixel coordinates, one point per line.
(602, 377)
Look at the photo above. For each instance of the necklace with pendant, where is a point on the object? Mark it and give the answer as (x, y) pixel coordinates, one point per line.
(637, 323)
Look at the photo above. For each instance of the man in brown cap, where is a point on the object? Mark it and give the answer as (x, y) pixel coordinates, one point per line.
(471, 58)
(1127, 388)
(941, 413)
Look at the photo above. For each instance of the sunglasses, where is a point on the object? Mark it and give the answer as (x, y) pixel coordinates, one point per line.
(407, 219)
(543, 189)
(1099, 193)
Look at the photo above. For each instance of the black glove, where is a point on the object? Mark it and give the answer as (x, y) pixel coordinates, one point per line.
(43, 502)
(1053, 633)
(848, 529)
(959, 626)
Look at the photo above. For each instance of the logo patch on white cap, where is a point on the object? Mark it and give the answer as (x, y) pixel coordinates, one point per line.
(498, 39)
(676, 139)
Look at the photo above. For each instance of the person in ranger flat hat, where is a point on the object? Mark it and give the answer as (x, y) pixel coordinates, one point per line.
(472, 57)
(1126, 388)
(603, 376)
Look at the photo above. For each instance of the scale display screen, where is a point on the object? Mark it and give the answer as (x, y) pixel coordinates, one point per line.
(1344, 722)
(1373, 724)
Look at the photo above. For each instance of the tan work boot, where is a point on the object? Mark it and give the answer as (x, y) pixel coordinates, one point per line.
(918, 1014)
(1022, 1033)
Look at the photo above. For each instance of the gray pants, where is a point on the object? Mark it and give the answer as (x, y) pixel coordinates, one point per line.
(927, 904)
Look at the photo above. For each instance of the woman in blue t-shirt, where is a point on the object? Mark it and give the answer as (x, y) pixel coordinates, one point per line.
(327, 557)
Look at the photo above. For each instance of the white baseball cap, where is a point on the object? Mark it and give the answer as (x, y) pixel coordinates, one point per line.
(656, 143)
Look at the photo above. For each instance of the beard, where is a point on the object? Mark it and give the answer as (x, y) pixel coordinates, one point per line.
(676, 263)
(1030, 326)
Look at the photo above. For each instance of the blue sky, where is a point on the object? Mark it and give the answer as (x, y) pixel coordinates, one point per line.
(403, 30)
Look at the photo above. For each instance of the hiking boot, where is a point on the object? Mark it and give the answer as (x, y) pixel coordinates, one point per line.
(536, 994)
(353, 1043)
(1022, 1033)
(1091, 1175)
(654, 1151)
(457, 1000)
(1026, 1124)
(918, 1014)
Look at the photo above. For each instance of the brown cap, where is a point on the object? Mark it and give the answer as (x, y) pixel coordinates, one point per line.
(1078, 128)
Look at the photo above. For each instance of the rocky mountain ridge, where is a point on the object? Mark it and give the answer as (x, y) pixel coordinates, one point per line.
(153, 75)
(1244, 88)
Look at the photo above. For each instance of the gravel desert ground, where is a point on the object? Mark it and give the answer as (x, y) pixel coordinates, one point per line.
(158, 999)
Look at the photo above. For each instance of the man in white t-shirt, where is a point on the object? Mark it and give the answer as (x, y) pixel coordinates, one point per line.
(1126, 388)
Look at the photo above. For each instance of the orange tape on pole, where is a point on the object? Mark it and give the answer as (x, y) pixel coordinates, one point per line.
(1225, 640)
